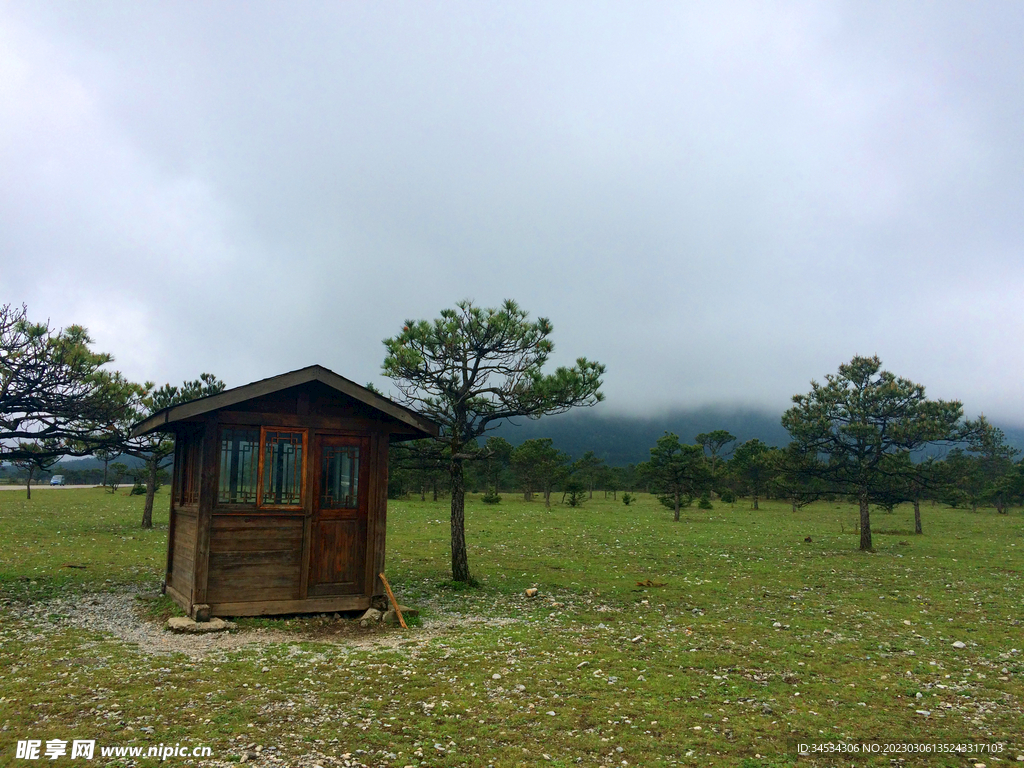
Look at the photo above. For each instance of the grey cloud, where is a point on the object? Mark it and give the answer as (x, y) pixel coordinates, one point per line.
(720, 201)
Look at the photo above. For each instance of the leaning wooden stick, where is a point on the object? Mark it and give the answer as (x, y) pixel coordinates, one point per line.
(398, 611)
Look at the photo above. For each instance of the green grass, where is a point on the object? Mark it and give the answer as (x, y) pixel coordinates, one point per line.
(690, 673)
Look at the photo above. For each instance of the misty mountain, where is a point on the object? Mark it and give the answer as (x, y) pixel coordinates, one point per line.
(621, 440)
(91, 462)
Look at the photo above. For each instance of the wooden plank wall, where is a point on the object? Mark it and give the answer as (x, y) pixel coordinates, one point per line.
(378, 511)
(255, 557)
(182, 551)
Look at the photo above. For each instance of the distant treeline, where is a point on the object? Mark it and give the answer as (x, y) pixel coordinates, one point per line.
(87, 471)
(717, 466)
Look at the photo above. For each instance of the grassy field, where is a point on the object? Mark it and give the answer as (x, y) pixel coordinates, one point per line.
(724, 639)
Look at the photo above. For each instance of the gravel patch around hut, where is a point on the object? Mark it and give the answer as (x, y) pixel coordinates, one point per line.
(117, 614)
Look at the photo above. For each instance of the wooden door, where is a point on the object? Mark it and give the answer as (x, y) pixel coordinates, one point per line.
(337, 563)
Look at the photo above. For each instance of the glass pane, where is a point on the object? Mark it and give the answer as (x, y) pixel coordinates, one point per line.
(238, 466)
(188, 469)
(339, 487)
(282, 469)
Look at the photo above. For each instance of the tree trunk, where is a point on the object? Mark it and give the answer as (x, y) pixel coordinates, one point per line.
(865, 524)
(547, 497)
(28, 485)
(755, 501)
(105, 463)
(793, 503)
(676, 518)
(917, 516)
(147, 510)
(460, 560)
(435, 483)
(1000, 506)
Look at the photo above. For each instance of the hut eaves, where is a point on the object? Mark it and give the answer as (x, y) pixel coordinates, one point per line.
(228, 397)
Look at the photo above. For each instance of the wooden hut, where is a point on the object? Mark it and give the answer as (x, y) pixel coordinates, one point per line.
(279, 495)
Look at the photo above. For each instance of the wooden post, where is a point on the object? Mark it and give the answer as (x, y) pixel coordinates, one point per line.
(207, 499)
(398, 611)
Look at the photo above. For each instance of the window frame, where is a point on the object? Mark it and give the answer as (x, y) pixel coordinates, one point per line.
(303, 490)
(237, 505)
(258, 505)
(188, 463)
(361, 480)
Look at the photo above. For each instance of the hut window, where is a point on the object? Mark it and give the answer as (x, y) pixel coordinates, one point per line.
(239, 458)
(339, 477)
(188, 469)
(282, 468)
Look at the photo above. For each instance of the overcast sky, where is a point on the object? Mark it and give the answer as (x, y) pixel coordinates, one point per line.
(720, 201)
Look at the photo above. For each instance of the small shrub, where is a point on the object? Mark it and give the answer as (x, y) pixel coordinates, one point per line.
(627, 499)
(491, 497)
(728, 497)
(575, 493)
(115, 476)
(705, 501)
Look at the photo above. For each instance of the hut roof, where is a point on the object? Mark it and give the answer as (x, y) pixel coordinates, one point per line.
(313, 373)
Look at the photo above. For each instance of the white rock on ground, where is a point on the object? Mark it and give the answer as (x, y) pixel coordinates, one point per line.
(372, 614)
(185, 624)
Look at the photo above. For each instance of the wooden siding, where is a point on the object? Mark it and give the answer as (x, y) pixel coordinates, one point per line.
(183, 545)
(254, 557)
(312, 605)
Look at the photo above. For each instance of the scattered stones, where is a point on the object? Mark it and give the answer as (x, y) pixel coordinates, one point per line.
(959, 644)
(923, 712)
(495, 676)
(777, 624)
(371, 615)
(182, 624)
(583, 664)
(637, 639)
(531, 592)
